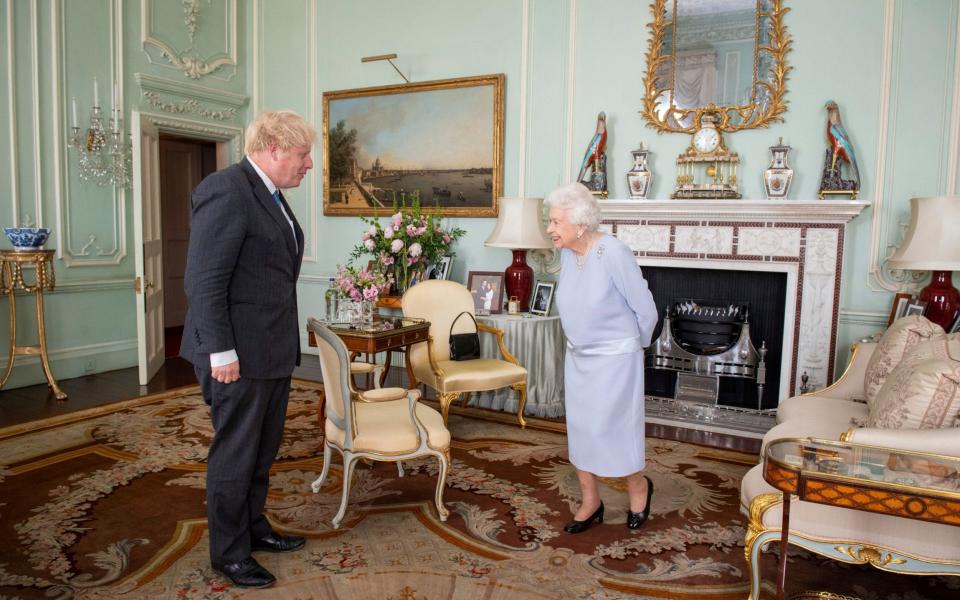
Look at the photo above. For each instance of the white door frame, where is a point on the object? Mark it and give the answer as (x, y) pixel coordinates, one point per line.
(229, 140)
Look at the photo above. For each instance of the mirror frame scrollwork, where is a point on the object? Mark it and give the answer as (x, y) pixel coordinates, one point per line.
(751, 115)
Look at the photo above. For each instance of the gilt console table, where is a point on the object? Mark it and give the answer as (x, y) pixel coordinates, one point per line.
(12, 263)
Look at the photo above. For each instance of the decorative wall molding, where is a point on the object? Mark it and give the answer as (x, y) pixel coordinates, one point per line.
(75, 352)
(12, 117)
(953, 147)
(803, 239)
(883, 238)
(313, 195)
(567, 166)
(37, 130)
(524, 81)
(92, 251)
(180, 98)
(233, 134)
(187, 60)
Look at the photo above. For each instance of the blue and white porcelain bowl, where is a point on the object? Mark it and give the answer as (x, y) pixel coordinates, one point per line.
(27, 238)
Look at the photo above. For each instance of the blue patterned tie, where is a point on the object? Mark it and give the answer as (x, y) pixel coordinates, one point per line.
(276, 198)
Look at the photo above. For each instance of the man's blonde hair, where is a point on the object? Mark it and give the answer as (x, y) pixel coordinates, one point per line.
(283, 128)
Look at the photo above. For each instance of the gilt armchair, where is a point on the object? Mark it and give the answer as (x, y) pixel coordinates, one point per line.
(440, 302)
(383, 424)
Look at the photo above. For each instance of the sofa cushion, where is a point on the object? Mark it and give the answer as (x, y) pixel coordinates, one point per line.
(899, 339)
(923, 391)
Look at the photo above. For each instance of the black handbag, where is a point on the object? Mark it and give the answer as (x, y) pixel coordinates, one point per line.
(464, 346)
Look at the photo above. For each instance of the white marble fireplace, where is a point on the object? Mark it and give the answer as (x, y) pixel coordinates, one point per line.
(801, 238)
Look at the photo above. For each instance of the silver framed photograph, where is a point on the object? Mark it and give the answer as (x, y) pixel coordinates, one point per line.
(542, 298)
(916, 307)
(440, 269)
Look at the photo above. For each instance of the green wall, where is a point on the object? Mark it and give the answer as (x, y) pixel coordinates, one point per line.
(892, 67)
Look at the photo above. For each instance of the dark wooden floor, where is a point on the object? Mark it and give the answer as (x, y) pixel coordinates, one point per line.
(26, 404)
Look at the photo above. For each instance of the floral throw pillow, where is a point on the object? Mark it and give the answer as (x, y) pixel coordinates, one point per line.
(899, 340)
(921, 394)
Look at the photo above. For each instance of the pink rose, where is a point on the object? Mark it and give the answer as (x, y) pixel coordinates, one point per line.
(370, 245)
(372, 231)
(416, 249)
(397, 218)
(388, 233)
(396, 246)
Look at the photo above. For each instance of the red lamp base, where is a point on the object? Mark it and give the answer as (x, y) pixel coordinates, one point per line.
(518, 279)
(942, 299)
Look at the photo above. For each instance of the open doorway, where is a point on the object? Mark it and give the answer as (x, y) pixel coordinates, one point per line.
(184, 162)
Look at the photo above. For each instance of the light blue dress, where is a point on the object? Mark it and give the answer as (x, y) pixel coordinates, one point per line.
(608, 317)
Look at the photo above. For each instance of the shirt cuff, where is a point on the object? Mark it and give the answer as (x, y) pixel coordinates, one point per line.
(219, 359)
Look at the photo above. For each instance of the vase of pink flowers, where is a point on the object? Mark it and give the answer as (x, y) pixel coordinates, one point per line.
(407, 244)
(359, 289)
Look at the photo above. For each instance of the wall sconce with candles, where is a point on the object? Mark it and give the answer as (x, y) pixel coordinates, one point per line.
(105, 155)
(932, 244)
(520, 228)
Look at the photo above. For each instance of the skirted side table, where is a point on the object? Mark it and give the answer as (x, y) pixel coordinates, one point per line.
(11, 280)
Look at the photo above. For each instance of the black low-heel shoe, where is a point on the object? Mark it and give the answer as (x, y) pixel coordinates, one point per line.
(575, 526)
(636, 519)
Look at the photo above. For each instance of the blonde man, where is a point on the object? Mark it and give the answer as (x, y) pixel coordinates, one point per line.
(242, 333)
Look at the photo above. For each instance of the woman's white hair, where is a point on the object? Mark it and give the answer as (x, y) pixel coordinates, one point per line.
(581, 206)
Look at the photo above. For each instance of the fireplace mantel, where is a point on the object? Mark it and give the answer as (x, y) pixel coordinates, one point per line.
(802, 238)
(777, 211)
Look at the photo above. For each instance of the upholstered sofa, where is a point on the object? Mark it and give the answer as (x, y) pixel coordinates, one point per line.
(902, 392)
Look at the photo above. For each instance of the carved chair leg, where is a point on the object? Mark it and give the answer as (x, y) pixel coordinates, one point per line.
(327, 456)
(445, 401)
(349, 461)
(442, 478)
(522, 390)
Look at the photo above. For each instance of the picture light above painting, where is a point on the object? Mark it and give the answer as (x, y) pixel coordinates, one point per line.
(441, 141)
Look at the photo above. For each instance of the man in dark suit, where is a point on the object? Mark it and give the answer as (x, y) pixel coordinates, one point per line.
(242, 333)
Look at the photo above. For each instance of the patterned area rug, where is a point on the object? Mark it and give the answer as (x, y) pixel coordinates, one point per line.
(109, 503)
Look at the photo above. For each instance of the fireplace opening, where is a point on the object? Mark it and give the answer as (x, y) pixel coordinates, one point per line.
(762, 292)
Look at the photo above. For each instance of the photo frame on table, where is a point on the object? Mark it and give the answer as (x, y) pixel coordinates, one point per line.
(955, 324)
(443, 139)
(441, 269)
(542, 298)
(899, 308)
(486, 287)
(916, 307)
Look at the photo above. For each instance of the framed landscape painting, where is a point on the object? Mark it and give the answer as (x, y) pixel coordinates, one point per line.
(439, 140)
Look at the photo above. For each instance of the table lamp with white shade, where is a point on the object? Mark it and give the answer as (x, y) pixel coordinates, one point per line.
(932, 243)
(520, 227)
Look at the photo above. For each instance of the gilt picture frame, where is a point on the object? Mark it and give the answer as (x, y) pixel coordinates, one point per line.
(440, 141)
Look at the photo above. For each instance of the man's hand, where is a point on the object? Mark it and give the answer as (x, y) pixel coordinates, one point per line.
(228, 373)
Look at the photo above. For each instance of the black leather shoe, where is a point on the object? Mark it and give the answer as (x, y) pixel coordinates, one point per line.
(575, 526)
(277, 543)
(636, 519)
(247, 573)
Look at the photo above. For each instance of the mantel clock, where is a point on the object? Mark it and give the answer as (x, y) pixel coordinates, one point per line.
(707, 169)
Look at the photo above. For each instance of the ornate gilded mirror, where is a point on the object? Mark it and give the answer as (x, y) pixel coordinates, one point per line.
(723, 57)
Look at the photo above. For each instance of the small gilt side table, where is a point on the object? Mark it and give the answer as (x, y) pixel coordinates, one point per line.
(11, 280)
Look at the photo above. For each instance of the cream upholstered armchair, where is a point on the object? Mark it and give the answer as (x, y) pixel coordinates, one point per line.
(440, 302)
(387, 424)
(902, 393)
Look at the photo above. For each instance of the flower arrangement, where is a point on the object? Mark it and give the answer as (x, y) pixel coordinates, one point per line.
(360, 284)
(409, 242)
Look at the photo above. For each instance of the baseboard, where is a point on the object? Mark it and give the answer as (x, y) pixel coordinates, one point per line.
(74, 361)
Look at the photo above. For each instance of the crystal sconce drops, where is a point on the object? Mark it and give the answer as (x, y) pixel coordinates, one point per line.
(105, 155)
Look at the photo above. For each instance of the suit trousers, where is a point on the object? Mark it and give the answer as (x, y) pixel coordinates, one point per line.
(248, 418)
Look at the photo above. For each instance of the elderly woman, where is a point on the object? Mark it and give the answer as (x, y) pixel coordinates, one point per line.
(608, 316)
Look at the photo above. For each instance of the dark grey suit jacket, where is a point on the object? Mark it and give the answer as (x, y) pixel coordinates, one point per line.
(241, 276)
